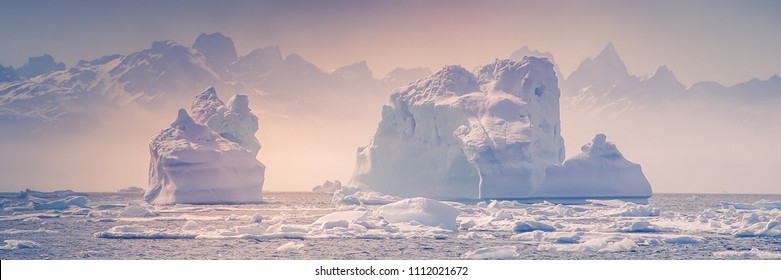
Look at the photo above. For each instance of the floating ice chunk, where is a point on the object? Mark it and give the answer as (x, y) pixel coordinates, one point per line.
(634, 210)
(191, 226)
(762, 204)
(683, 239)
(355, 196)
(425, 211)
(502, 215)
(250, 229)
(60, 204)
(760, 229)
(621, 246)
(526, 226)
(562, 237)
(257, 218)
(285, 228)
(493, 253)
(136, 211)
(593, 245)
(335, 224)
(636, 226)
(349, 216)
(142, 232)
(55, 194)
(753, 253)
(131, 190)
(290, 246)
(12, 244)
(27, 231)
(328, 187)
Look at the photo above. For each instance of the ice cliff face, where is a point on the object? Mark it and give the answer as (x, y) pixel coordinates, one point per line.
(457, 134)
(234, 122)
(600, 170)
(191, 163)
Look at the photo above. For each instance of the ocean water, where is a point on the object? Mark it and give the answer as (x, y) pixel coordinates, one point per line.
(119, 226)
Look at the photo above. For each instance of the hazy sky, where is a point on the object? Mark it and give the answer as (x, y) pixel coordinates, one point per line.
(724, 41)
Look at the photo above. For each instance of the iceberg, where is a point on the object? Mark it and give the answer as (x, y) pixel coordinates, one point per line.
(457, 134)
(427, 212)
(191, 163)
(600, 170)
(494, 133)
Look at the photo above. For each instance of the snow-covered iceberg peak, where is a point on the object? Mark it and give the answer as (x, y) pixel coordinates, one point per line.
(599, 171)
(206, 105)
(457, 134)
(190, 163)
(234, 122)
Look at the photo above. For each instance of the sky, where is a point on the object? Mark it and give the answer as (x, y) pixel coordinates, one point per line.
(724, 41)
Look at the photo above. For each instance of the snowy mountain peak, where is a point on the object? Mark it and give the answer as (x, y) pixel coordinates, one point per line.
(39, 65)
(603, 72)
(7, 74)
(218, 49)
(356, 71)
(163, 45)
(400, 76)
(610, 58)
(664, 77)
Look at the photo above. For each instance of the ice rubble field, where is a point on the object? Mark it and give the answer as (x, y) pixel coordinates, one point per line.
(361, 225)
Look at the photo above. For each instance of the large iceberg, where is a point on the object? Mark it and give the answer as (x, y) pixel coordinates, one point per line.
(494, 133)
(456, 134)
(191, 163)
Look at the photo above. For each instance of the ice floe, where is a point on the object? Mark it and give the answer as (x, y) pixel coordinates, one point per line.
(493, 253)
(19, 244)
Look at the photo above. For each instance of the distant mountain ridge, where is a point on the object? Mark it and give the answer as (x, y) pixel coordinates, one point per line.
(44, 91)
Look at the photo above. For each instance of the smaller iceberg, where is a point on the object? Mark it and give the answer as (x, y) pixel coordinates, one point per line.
(599, 171)
(192, 163)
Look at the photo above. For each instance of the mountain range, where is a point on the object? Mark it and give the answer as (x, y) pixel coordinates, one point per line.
(45, 92)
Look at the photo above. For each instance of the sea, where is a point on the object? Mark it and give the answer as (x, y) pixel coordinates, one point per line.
(119, 226)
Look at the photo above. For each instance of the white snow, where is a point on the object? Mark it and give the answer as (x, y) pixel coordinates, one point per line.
(425, 211)
(190, 163)
(493, 253)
